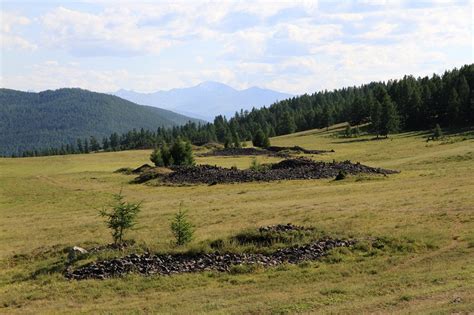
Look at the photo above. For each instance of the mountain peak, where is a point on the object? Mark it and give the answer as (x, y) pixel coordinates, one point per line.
(207, 99)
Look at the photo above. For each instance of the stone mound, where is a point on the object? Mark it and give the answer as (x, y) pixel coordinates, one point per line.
(282, 228)
(148, 264)
(242, 152)
(298, 149)
(141, 169)
(290, 169)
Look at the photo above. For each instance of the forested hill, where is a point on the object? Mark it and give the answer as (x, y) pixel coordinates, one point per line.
(408, 103)
(52, 118)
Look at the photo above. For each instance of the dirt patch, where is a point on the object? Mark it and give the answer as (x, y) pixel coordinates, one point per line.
(148, 264)
(290, 169)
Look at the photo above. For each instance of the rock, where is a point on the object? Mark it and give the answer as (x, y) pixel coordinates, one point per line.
(79, 250)
(289, 169)
(147, 264)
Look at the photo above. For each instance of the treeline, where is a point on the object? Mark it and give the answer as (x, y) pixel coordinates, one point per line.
(406, 104)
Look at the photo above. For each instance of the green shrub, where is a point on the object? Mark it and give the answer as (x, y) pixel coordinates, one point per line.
(181, 228)
(121, 217)
(260, 139)
(180, 153)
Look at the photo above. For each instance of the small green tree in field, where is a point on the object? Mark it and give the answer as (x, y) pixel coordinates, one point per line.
(181, 228)
(157, 158)
(437, 132)
(121, 217)
(260, 139)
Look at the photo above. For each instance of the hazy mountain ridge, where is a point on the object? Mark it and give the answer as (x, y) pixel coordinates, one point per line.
(206, 100)
(31, 120)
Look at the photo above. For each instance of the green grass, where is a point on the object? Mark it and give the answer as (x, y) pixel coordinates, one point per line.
(422, 220)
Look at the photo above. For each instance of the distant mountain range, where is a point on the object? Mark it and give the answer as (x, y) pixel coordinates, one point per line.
(31, 120)
(206, 100)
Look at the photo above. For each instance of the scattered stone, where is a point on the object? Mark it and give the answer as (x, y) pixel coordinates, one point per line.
(75, 252)
(148, 264)
(283, 228)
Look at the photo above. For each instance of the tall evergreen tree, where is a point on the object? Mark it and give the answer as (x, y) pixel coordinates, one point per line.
(389, 121)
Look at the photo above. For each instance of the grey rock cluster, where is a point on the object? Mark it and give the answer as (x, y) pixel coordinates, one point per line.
(148, 264)
(289, 169)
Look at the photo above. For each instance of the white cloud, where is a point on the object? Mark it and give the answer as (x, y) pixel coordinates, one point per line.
(8, 39)
(290, 46)
(105, 34)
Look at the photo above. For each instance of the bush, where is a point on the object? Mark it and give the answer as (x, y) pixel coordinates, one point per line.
(121, 217)
(256, 166)
(181, 228)
(260, 139)
(180, 153)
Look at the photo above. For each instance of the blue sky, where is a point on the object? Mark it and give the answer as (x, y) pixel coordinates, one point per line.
(290, 46)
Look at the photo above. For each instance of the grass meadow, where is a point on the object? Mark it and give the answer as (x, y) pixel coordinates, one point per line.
(425, 215)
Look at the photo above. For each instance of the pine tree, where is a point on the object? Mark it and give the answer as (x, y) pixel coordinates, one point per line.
(95, 146)
(182, 152)
(389, 121)
(453, 107)
(156, 158)
(105, 143)
(286, 124)
(86, 146)
(181, 228)
(260, 139)
(327, 117)
(80, 148)
(375, 118)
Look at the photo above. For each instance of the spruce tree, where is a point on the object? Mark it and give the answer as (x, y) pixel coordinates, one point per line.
(389, 121)
(181, 228)
(375, 118)
(80, 148)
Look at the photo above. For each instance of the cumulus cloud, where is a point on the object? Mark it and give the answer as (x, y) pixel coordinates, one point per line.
(9, 38)
(292, 46)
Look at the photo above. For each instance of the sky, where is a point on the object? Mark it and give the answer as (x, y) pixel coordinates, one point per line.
(290, 46)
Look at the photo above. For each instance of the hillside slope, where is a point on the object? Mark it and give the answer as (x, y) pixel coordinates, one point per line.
(51, 118)
(207, 99)
(416, 232)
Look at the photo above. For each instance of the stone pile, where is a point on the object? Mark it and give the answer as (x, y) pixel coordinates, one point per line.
(290, 169)
(282, 228)
(148, 264)
(298, 149)
(243, 152)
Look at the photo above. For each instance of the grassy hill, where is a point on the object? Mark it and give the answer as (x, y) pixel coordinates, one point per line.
(52, 118)
(425, 214)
